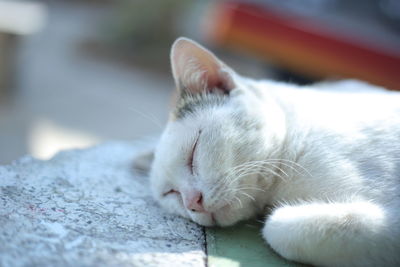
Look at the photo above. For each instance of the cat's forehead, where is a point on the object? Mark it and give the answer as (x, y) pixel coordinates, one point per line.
(194, 103)
(180, 135)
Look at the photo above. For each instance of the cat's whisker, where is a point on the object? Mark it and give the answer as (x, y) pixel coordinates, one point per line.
(249, 196)
(238, 171)
(257, 164)
(241, 175)
(238, 178)
(251, 188)
(240, 191)
(233, 200)
(269, 171)
(239, 201)
(273, 162)
(252, 168)
(262, 162)
(265, 167)
(244, 165)
(294, 163)
(260, 221)
(286, 163)
(149, 116)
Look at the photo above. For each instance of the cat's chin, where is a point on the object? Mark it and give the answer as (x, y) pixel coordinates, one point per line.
(204, 219)
(223, 217)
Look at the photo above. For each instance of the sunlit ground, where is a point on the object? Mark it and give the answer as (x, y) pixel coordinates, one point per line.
(47, 138)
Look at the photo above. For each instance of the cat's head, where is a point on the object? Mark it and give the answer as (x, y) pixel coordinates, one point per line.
(217, 126)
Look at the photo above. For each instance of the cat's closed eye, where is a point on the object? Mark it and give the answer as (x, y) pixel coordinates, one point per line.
(172, 191)
(191, 157)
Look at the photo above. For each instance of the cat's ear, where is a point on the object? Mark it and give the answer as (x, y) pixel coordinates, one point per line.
(197, 70)
(143, 161)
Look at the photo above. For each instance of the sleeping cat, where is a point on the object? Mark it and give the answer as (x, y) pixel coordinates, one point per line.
(325, 157)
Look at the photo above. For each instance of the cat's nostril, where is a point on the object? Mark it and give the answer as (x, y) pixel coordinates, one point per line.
(194, 201)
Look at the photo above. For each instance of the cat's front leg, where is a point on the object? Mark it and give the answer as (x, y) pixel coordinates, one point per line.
(332, 234)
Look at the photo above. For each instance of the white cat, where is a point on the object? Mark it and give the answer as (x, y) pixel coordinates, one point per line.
(326, 157)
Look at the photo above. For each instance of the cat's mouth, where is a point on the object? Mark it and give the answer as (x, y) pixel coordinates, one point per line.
(213, 220)
(206, 218)
(226, 215)
(217, 217)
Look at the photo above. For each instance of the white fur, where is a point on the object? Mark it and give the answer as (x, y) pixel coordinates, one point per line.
(326, 156)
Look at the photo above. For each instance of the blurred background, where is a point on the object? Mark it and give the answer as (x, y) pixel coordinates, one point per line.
(78, 72)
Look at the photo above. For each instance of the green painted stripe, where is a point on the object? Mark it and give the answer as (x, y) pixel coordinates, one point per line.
(241, 245)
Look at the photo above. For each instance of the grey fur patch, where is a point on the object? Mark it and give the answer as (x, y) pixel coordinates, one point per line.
(190, 103)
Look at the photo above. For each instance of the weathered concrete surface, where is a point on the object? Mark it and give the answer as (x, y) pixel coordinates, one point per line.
(88, 208)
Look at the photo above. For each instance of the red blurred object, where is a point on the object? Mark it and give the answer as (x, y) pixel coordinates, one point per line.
(302, 45)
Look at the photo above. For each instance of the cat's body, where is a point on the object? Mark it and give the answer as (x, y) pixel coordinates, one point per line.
(325, 157)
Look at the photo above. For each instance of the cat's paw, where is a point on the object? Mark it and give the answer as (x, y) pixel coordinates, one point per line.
(285, 233)
(328, 234)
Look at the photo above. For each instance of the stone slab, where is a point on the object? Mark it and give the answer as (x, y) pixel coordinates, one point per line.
(89, 208)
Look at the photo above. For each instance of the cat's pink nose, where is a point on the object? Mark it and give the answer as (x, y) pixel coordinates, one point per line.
(194, 201)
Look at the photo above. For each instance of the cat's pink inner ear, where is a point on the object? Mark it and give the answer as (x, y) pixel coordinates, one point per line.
(196, 69)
